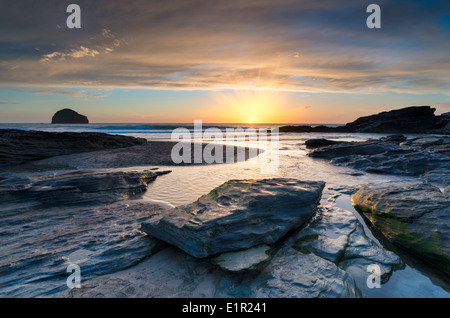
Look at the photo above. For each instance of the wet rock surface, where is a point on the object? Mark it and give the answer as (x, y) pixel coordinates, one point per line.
(311, 262)
(421, 156)
(245, 260)
(414, 217)
(49, 222)
(101, 239)
(327, 256)
(76, 188)
(150, 153)
(21, 146)
(292, 274)
(170, 273)
(288, 273)
(238, 215)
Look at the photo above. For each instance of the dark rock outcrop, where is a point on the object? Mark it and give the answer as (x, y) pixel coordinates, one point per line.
(69, 116)
(237, 215)
(20, 146)
(303, 128)
(414, 217)
(316, 143)
(414, 119)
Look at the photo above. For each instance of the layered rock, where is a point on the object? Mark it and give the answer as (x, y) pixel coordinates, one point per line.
(337, 236)
(170, 273)
(20, 146)
(422, 156)
(69, 116)
(77, 188)
(51, 221)
(101, 239)
(414, 217)
(292, 274)
(237, 215)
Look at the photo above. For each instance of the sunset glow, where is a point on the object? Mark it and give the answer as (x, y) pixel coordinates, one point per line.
(231, 61)
(251, 106)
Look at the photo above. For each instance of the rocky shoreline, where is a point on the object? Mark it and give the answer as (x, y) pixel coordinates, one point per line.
(276, 237)
(426, 157)
(37, 150)
(413, 119)
(22, 146)
(414, 217)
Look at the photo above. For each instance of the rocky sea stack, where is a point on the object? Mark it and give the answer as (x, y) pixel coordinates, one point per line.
(69, 116)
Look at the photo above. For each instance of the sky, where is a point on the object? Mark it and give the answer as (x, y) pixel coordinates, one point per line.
(221, 61)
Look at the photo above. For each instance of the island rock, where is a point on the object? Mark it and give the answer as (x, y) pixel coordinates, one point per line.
(69, 116)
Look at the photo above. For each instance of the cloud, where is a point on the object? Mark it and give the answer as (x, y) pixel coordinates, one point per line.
(105, 42)
(74, 53)
(292, 45)
(10, 103)
(72, 93)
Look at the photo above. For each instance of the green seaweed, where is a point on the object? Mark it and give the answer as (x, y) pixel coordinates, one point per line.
(396, 231)
(214, 194)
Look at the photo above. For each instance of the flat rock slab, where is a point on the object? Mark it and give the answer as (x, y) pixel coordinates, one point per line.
(413, 216)
(238, 215)
(243, 260)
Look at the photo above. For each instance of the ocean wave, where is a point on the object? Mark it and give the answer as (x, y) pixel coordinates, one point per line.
(125, 127)
(159, 127)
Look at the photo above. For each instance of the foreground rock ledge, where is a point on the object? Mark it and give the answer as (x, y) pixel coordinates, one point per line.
(414, 217)
(21, 146)
(238, 215)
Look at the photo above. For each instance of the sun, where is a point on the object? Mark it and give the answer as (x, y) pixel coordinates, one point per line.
(249, 106)
(251, 120)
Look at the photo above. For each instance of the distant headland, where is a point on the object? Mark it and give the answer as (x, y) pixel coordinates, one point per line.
(413, 119)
